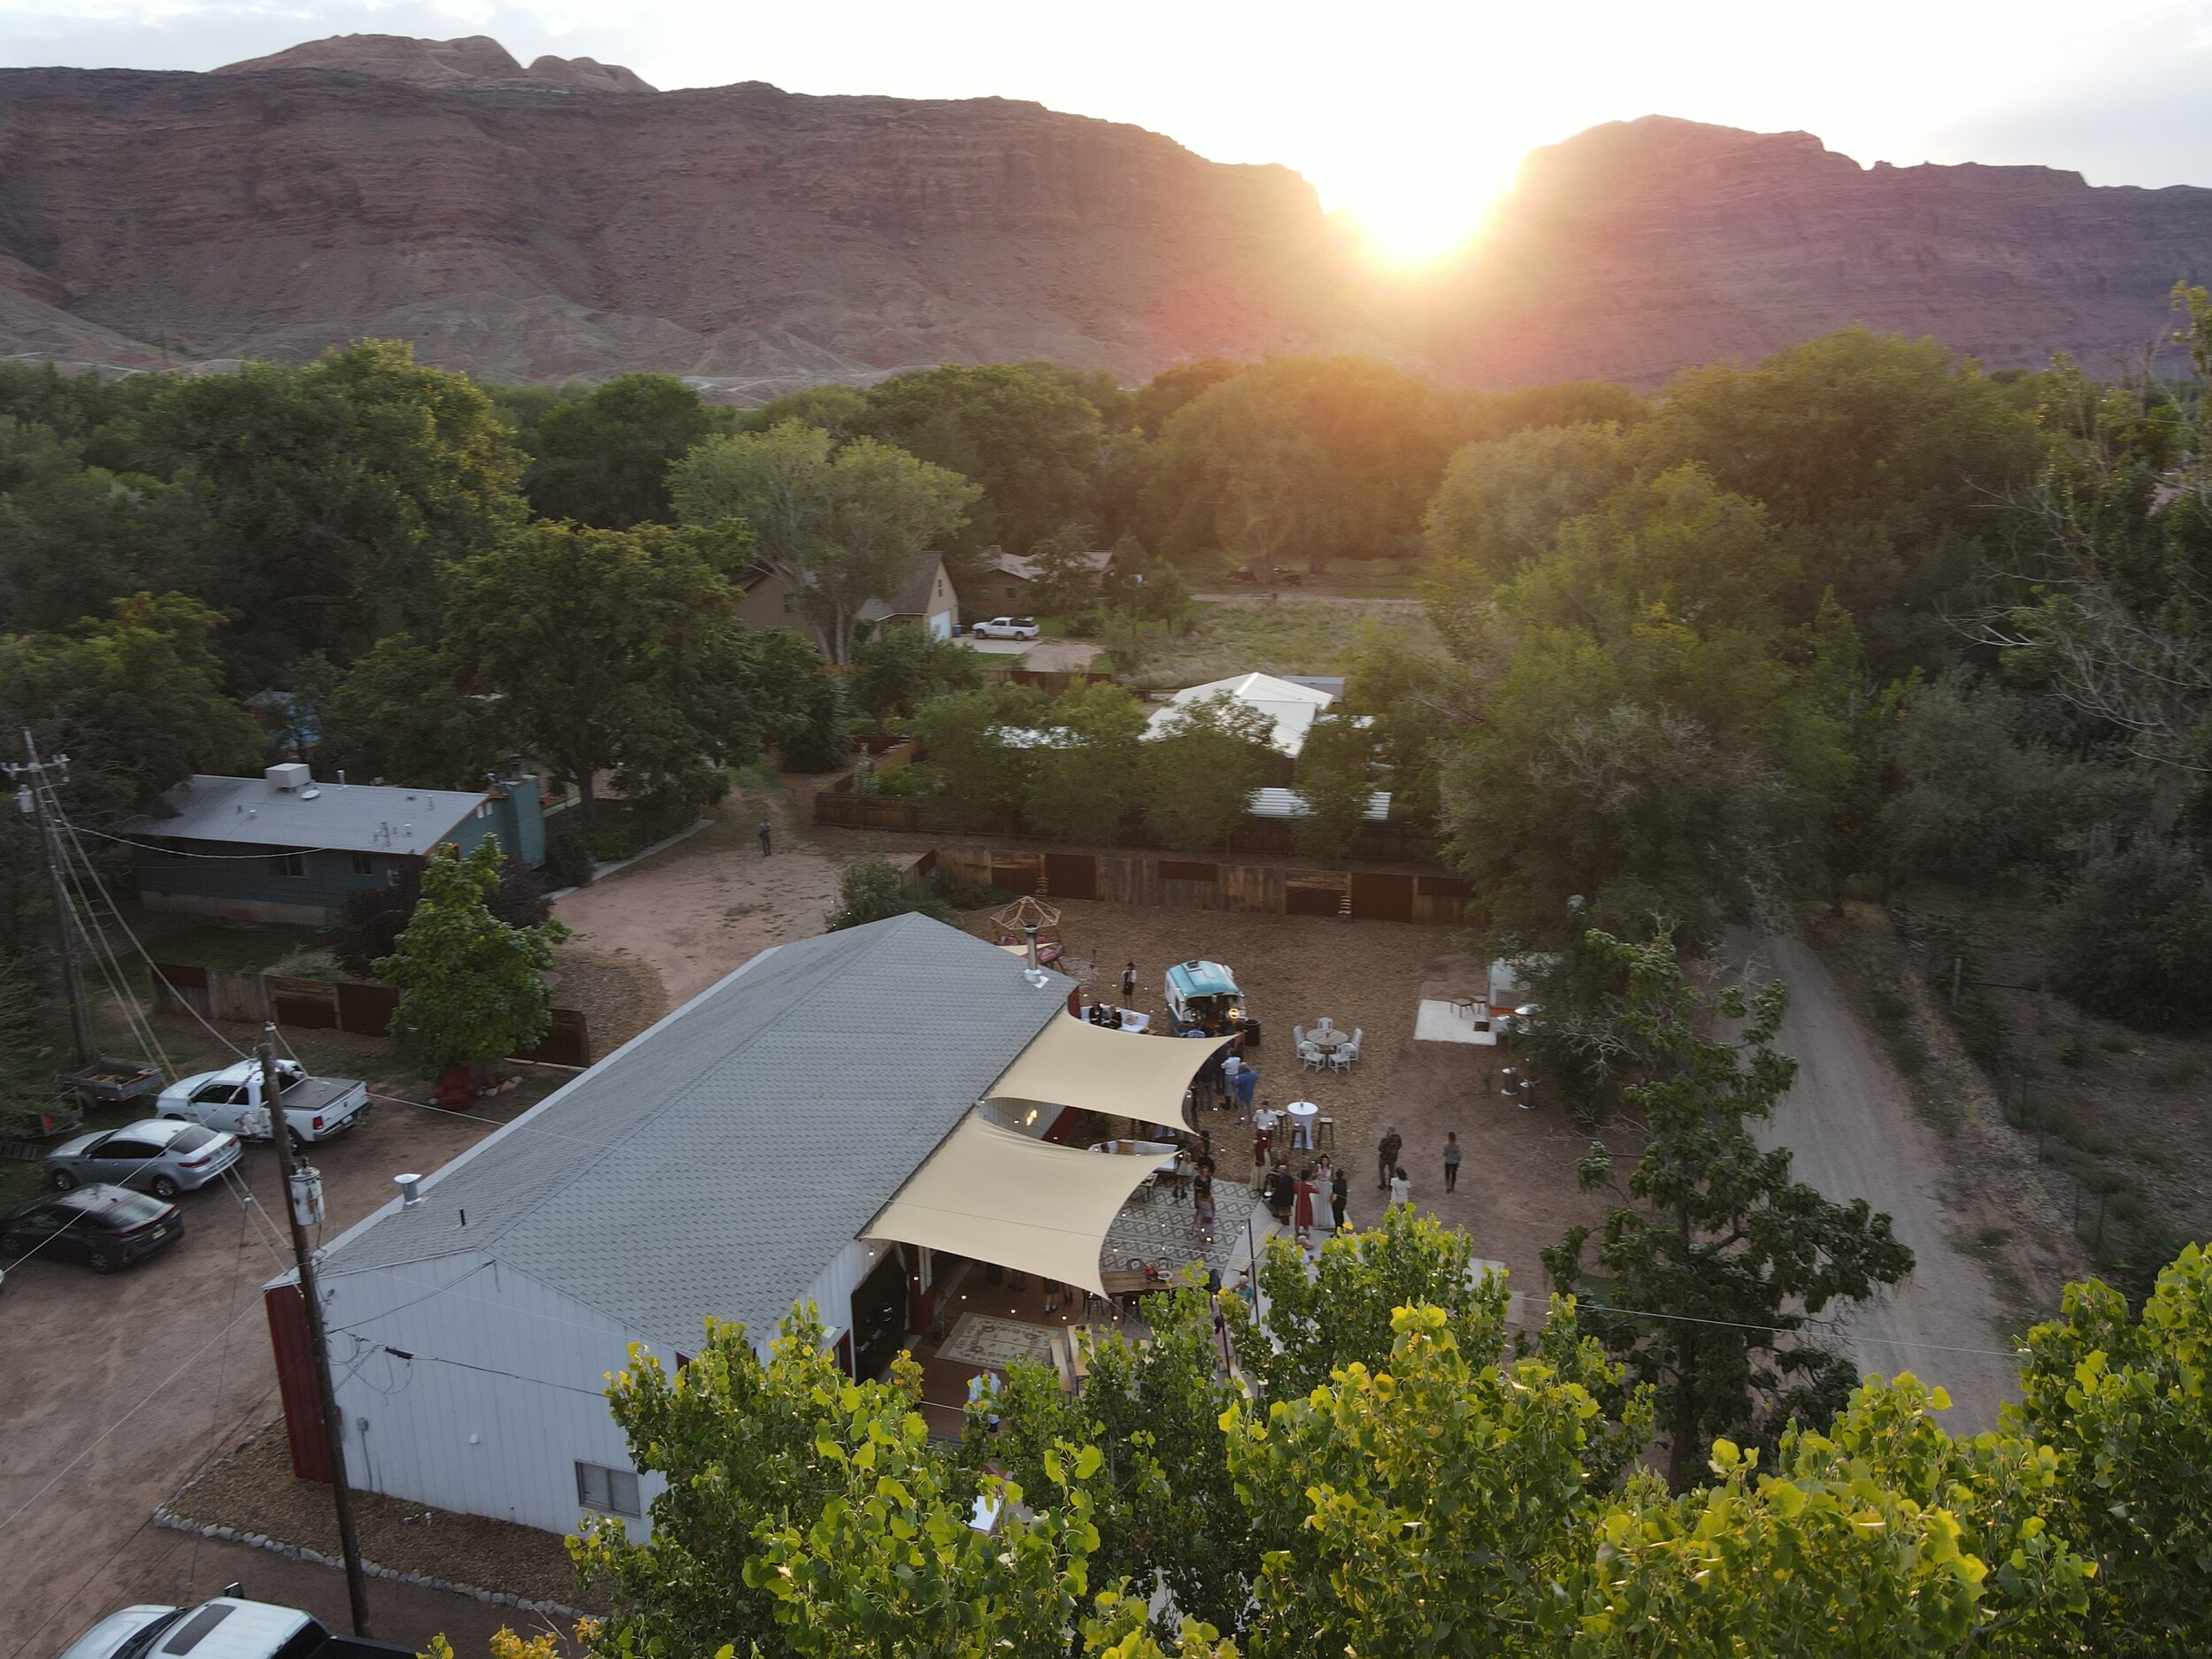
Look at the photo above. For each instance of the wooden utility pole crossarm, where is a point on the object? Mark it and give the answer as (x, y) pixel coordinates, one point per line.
(292, 1160)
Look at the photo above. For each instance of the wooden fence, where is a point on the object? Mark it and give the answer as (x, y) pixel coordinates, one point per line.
(1190, 884)
(1388, 843)
(348, 1005)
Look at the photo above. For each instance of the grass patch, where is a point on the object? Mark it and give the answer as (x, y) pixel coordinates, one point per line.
(1289, 638)
(2173, 1073)
(1993, 1238)
(243, 947)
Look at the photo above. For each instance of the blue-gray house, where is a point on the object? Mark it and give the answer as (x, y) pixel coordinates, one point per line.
(282, 847)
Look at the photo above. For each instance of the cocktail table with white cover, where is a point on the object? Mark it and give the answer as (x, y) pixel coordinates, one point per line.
(1303, 1114)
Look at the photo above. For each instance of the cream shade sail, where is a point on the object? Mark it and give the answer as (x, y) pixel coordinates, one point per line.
(1121, 1073)
(995, 1195)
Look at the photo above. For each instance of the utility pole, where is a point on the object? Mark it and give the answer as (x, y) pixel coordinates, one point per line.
(30, 800)
(290, 1163)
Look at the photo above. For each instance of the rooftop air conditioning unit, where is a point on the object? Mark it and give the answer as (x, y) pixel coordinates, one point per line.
(288, 778)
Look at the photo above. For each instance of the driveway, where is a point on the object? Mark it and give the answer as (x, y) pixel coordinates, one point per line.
(1039, 656)
(1854, 1134)
(117, 1389)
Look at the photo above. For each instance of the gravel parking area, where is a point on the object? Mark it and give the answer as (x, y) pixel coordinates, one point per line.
(121, 1389)
(254, 1489)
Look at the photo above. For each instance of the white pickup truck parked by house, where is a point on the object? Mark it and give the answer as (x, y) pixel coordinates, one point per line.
(317, 1108)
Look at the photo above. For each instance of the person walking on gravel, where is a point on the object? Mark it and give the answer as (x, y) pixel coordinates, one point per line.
(763, 838)
(1451, 1161)
(1387, 1155)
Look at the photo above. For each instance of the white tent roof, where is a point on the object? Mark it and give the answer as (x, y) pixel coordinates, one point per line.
(1100, 1069)
(1290, 803)
(993, 1195)
(1294, 708)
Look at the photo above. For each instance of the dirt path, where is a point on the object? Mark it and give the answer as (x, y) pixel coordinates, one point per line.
(700, 910)
(1854, 1134)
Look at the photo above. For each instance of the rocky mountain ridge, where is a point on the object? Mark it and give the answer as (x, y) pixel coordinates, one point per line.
(565, 220)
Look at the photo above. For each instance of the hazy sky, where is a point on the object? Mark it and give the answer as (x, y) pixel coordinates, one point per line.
(1411, 115)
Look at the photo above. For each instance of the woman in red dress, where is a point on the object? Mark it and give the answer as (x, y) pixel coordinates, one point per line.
(1301, 1212)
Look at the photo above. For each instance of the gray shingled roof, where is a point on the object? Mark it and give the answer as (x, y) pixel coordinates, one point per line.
(718, 1162)
(356, 818)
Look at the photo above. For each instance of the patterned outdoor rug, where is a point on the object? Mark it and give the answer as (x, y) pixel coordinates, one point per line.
(980, 1340)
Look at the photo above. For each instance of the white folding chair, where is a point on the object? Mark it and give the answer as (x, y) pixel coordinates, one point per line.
(1297, 1036)
(1311, 1057)
(1347, 1053)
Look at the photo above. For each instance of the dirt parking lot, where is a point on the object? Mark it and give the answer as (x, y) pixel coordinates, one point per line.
(118, 1390)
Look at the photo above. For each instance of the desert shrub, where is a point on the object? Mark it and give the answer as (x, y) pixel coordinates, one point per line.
(2132, 938)
(871, 889)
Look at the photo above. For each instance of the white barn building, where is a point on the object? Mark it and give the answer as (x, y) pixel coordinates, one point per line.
(821, 1125)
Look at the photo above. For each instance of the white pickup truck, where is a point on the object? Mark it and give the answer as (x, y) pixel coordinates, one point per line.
(317, 1108)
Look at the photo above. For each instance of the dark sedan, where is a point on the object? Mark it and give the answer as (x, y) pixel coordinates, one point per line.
(104, 1227)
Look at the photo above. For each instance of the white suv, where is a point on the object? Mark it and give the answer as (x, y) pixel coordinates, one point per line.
(1006, 628)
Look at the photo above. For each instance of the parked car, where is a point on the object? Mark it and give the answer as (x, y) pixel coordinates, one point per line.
(317, 1108)
(1008, 628)
(104, 1227)
(161, 1156)
(225, 1626)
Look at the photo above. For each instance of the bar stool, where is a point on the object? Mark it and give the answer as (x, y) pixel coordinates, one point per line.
(1324, 1134)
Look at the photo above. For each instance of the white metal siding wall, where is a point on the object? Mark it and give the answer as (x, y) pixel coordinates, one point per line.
(832, 1292)
(503, 1396)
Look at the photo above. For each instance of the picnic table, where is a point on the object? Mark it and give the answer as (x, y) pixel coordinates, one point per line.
(1328, 1037)
(1127, 1284)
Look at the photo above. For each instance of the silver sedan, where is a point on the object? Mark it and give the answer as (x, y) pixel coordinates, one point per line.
(160, 1156)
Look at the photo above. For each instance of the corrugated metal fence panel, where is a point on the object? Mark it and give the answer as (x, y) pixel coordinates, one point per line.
(366, 1010)
(296, 1381)
(567, 1041)
(1381, 898)
(1072, 875)
(352, 1005)
(1314, 894)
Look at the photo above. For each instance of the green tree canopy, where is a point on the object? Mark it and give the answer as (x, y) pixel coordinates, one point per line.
(614, 651)
(1196, 778)
(1031, 442)
(340, 490)
(1299, 457)
(134, 698)
(1083, 779)
(896, 670)
(472, 987)
(406, 714)
(603, 458)
(1720, 1255)
(871, 889)
(1502, 501)
(849, 523)
(1884, 461)
(1335, 784)
(969, 771)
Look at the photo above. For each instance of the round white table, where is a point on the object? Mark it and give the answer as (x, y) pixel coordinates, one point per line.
(1303, 1114)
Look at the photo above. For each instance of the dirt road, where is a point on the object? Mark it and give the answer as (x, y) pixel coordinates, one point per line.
(1854, 1134)
(698, 910)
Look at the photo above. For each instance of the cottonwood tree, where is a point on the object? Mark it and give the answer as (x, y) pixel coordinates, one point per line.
(1334, 785)
(848, 523)
(1083, 779)
(603, 458)
(896, 670)
(133, 697)
(976, 762)
(341, 490)
(405, 714)
(613, 651)
(1717, 1265)
(472, 987)
(1436, 1503)
(2126, 1405)
(1885, 1536)
(1198, 771)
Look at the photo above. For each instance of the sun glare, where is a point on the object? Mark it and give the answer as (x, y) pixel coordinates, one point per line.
(1409, 221)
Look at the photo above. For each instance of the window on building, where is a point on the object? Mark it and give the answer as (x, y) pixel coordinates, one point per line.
(483, 808)
(364, 865)
(287, 863)
(609, 1491)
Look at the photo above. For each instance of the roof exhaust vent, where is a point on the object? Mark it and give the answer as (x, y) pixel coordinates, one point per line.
(410, 1194)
